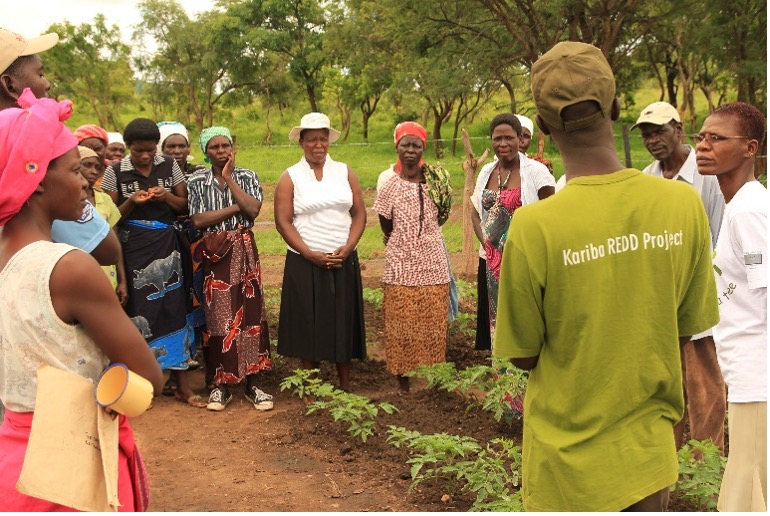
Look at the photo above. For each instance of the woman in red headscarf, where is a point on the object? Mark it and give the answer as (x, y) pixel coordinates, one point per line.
(413, 201)
(95, 138)
(41, 321)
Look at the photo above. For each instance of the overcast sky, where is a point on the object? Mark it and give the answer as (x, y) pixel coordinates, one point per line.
(32, 17)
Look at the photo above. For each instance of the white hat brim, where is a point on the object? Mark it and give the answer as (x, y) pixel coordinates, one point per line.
(653, 120)
(334, 134)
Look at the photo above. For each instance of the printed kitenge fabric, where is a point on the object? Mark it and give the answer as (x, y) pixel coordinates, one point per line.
(239, 339)
(194, 238)
(158, 271)
(499, 208)
(415, 326)
(415, 252)
(439, 190)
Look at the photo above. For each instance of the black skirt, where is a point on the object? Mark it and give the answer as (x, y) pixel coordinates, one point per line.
(322, 311)
(483, 338)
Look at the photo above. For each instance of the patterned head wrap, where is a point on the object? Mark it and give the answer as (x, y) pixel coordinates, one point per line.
(87, 131)
(409, 129)
(30, 138)
(208, 134)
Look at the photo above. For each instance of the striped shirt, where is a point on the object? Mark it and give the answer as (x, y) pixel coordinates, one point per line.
(204, 194)
(165, 173)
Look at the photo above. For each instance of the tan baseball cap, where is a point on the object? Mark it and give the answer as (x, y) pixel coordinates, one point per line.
(657, 113)
(13, 46)
(569, 73)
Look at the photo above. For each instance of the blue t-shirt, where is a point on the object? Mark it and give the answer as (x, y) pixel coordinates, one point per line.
(86, 233)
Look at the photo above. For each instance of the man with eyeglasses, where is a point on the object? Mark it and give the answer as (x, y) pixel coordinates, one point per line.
(704, 387)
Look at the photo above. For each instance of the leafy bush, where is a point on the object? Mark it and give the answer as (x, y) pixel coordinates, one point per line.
(373, 296)
(466, 290)
(700, 473)
(488, 472)
(489, 387)
(464, 324)
(357, 411)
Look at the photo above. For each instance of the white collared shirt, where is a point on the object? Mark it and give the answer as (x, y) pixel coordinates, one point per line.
(707, 187)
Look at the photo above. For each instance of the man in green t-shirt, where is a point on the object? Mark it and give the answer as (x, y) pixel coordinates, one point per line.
(599, 286)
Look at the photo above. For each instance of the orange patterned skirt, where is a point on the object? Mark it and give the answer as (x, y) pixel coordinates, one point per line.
(416, 320)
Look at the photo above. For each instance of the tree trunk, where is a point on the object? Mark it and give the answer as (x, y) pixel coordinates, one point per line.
(437, 143)
(196, 108)
(511, 94)
(442, 110)
(365, 123)
(346, 123)
(311, 96)
(268, 137)
(671, 85)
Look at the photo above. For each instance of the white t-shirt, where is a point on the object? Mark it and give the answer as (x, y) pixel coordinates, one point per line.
(740, 265)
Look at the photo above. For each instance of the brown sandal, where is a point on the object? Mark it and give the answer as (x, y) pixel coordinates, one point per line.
(193, 400)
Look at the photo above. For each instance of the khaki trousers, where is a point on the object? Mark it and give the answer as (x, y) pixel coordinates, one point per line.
(744, 484)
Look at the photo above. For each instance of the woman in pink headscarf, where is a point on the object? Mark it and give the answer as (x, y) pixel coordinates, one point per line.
(413, 201)
(41, 321)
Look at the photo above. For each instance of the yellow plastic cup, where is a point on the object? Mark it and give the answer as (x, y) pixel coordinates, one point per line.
(123, 391)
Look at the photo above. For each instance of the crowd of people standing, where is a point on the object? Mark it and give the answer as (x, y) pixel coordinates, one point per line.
(183, 273)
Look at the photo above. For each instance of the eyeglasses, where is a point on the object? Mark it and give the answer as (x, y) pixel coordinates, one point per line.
(713, 138)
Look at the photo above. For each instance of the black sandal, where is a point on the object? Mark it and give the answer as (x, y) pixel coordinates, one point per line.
(169, 389)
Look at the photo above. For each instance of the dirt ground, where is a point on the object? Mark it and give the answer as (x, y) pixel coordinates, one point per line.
(282, 460)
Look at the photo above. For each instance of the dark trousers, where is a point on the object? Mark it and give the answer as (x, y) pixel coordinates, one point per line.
(704, 391)
(656, 502)
(483, 338)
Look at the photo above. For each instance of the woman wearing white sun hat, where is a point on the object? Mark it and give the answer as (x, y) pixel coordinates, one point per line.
(320, 213)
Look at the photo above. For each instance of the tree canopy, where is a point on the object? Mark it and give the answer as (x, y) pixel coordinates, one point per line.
(440, 60)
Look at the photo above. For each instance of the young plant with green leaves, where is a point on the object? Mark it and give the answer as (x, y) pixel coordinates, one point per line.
(358, 412)
(700, 474)
(373, 296)
(490, 472)
(490, 387)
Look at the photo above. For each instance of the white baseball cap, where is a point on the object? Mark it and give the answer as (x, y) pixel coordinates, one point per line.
(14, 46)
(657, 113)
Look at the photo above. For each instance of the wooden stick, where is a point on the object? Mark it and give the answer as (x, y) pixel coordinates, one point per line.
(470, 167)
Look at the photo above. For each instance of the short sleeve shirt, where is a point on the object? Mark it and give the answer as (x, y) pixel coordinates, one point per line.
(740, 267)
(86, 233)
(415, 254)
(599, 282)
(165, 173)
(205, 194)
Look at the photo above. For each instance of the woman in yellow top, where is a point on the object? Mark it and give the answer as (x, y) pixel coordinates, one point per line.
(92, 169)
